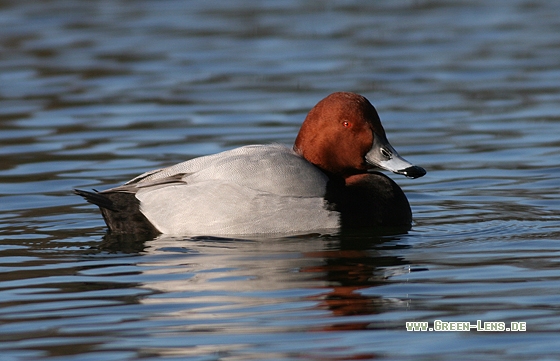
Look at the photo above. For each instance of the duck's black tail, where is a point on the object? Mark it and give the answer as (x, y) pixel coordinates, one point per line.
(96, 198)
(121, 211)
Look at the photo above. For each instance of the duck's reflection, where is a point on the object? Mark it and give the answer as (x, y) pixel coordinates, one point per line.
(240, 276)
(354, 263)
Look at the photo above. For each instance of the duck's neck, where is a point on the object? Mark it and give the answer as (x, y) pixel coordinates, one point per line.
(327, 164)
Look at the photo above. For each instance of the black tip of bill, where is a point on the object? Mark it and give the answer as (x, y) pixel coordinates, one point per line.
(413, 172)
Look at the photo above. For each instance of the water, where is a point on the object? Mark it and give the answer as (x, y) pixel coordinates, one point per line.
(93, 93)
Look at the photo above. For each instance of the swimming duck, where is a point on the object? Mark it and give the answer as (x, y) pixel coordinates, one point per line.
(328, 180)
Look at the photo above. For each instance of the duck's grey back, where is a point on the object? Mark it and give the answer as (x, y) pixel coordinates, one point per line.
(275, 169)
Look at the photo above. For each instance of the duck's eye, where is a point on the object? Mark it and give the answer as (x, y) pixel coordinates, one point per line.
(346, 124)
(386, 153)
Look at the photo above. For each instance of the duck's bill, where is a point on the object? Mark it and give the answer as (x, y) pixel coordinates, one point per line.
(383, 155)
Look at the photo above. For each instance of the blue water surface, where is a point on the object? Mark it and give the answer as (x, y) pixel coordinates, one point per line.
(93, 93)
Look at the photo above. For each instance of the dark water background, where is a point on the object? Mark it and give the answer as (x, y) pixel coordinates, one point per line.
(93, 93)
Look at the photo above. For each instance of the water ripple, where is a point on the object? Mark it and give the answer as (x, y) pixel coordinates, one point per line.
(94, 93)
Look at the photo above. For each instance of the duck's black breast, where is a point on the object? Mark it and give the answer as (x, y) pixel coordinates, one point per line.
(370, 200)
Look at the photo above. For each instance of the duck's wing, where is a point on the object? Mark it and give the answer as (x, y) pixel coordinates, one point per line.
(237, 189)
(274, 169)
(225, 208)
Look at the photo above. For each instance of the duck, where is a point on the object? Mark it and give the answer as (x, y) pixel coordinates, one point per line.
(329, 180)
